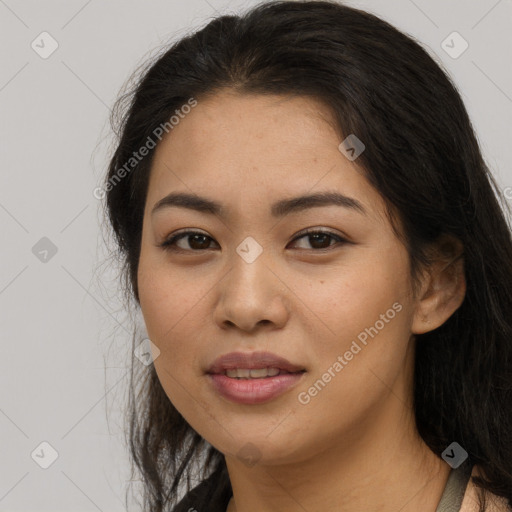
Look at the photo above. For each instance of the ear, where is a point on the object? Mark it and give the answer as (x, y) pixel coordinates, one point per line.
(443, 286)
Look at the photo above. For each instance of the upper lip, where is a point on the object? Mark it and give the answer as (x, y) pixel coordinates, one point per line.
(252, 360)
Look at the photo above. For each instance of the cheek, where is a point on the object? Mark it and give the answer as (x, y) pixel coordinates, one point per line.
(368, 315)
(172, 314)
(169, 307)
(167, 297)
(354, 298)
(367, 310)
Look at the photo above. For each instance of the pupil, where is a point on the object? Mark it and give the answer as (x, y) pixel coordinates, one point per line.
(203, 237)
(320, 235)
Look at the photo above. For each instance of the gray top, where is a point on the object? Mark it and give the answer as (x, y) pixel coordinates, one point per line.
(455, 488)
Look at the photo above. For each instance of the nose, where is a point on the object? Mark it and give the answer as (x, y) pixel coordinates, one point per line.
(251, 295)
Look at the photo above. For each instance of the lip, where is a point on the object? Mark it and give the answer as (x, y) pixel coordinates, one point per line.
(253, 391)
(252, 360)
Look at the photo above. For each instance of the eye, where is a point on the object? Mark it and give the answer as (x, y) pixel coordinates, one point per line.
(320, 239)
(196, 241)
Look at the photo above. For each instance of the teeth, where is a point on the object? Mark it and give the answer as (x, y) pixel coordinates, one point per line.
(254, 373)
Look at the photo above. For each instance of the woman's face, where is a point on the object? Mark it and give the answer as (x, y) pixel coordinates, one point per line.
(337, 306)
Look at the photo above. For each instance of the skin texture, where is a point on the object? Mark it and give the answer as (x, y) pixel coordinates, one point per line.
(354, 446)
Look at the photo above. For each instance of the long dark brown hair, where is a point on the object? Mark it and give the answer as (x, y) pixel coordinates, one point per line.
(421, 155)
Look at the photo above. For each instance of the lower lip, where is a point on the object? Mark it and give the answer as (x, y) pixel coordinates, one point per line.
(254, 391)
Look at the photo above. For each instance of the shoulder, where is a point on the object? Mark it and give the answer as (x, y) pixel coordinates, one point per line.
(470, 503)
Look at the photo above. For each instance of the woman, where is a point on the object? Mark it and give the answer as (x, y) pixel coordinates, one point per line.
(324, 270)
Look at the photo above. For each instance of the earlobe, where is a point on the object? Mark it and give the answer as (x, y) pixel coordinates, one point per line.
(443, 287)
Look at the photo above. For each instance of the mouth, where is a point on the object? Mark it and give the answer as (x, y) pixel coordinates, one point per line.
(253, 378)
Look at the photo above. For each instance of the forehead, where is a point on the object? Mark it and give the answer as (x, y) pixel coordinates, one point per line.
(255, 148)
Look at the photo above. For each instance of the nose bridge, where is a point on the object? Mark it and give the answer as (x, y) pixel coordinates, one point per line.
(250, 278)
(250, 292)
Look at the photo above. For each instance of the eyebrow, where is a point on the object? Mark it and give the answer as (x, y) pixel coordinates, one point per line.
(279, 209)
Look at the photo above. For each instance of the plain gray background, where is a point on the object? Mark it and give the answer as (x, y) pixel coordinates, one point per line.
(65, 337)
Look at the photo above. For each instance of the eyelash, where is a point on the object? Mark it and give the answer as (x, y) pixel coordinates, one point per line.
(168, 244)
